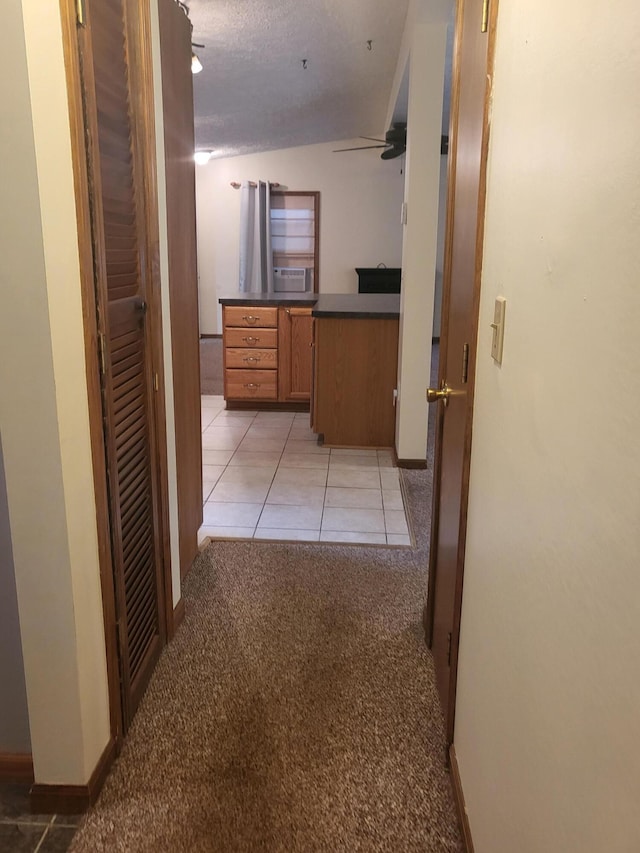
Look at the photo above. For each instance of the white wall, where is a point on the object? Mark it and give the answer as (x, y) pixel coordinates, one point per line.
(14, 713)
(44, 418)
(548, 711)
(419, 254)
(360, 201)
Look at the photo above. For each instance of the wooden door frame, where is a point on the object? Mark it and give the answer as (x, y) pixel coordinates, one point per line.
(175, 32)
(81, 150)
(429, 611)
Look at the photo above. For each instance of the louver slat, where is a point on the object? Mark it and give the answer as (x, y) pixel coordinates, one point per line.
(127, 384)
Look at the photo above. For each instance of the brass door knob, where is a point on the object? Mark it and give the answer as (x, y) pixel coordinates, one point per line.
(435, 394)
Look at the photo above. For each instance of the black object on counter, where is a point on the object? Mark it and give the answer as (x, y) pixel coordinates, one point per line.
(379, 279)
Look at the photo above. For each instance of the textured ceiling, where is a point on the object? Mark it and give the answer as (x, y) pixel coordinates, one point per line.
(254, 95)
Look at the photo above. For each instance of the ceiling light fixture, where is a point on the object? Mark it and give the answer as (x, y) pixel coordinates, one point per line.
(196, 65)
(202, 157)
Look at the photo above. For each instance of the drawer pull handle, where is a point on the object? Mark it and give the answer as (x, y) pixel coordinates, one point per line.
(249, 358)
(250, 318)
(252, 385)
(250, 340)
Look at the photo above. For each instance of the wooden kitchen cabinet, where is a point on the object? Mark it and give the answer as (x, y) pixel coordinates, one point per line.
(250, 339)
(267, 353)
(355, 373)
(295, 329)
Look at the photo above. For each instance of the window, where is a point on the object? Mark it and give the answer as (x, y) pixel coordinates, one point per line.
(294, 235)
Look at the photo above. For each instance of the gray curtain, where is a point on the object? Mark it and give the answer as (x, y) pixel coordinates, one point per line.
(256, 255)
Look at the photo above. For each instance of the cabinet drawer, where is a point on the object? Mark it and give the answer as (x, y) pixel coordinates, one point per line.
(252, 316)
(262, 338)
(251, 384)
(261, 359)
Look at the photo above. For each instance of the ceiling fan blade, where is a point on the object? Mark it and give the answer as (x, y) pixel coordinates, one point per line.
(393, 152)
(359, 148)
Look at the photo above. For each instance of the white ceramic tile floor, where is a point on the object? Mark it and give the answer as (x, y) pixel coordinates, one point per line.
(265, 477)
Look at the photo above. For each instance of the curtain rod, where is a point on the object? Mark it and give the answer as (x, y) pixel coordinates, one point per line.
(237, 186)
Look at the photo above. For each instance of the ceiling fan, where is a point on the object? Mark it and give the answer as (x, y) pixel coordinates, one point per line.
(394, 142)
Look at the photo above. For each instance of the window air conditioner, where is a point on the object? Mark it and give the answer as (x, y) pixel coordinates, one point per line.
(289, 279)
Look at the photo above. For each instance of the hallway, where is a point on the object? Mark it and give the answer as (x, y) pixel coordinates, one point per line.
(295, 710)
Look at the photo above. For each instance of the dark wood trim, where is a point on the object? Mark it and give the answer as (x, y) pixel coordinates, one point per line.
(206, 337)
(178, 617)
(179, 172)
(257, 405)
(73, 799)
(418, 464)
(458, 796)
(143, 90)
(16, 767)
(79, 156)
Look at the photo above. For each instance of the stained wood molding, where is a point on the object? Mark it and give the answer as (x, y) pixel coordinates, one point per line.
(261, 406)
(412, 463)
(458, 795)
(178, 616)
(73, 799)
(71, 35)
(16, 767)
(179, 166)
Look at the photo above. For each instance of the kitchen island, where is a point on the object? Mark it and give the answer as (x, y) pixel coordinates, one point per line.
(337, 352)
(355, 369)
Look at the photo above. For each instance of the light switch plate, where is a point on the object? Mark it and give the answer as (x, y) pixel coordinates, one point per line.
(498, 329)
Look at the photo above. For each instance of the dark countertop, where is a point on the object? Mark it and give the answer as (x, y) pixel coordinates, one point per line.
(275, 299)
(379, 306)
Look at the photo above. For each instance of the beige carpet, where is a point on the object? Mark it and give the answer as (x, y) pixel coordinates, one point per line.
(295, 710)
(211, 366)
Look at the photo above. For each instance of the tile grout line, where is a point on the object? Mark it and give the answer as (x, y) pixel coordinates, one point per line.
(264, 503)
(292, 424)
(324, 500)
(228, 465)
(44, 834)
(384, 517)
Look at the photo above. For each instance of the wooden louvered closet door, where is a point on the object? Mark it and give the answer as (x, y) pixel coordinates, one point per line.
(116, 174)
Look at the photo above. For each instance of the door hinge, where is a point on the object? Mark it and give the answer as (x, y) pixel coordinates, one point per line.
(449, 649)
(485, 16)
(102, 353)
(81, 15)
(156, 382)
(465, 364)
